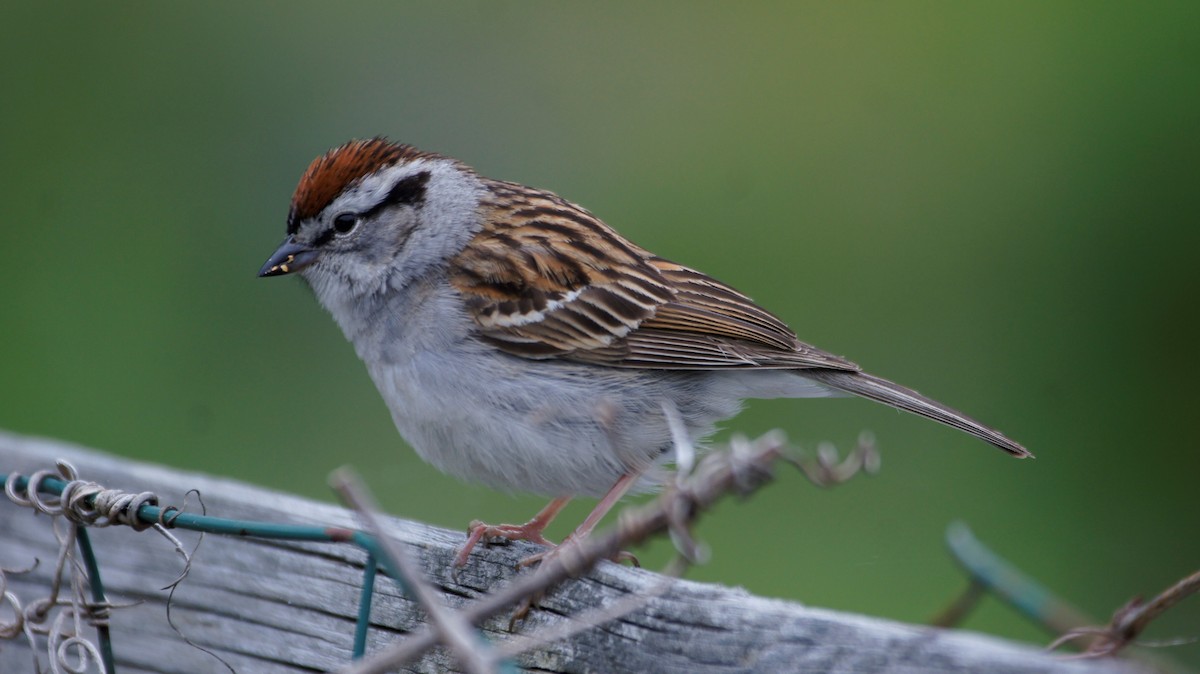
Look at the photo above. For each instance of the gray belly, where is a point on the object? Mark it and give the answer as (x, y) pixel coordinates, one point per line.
(556, 428)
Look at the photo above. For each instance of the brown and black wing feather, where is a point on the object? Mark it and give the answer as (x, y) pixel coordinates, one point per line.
(546, 279)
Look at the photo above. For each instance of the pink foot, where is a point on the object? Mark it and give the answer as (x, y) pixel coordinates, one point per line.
(530, 531)
(477, 531)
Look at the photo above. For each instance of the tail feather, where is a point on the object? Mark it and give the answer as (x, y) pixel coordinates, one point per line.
(890, 393)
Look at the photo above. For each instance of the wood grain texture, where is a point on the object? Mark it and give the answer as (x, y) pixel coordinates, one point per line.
(269, 607)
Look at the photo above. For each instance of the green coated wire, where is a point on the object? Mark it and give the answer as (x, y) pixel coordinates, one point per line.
(175, 518)
(364, 608)
(1010, 584)
(98, 596)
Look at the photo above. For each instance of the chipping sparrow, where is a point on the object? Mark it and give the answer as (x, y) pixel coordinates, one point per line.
(521, 342)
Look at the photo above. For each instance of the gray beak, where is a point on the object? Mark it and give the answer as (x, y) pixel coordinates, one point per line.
(287, 258)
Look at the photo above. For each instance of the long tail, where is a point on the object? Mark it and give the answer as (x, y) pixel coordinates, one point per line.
(890, 393)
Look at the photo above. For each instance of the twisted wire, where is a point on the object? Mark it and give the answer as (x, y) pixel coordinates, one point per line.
(81, 501)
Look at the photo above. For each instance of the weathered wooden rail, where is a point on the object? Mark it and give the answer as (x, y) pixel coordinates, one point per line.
(275, 606)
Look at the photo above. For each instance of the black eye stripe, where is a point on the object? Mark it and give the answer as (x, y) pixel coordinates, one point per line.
(410, 191)
(322, 238)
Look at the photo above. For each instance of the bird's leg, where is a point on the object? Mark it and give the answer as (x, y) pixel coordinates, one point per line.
(530, 531)
(606, 504)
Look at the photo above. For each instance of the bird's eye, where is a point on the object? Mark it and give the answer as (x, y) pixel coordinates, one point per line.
(345, 222)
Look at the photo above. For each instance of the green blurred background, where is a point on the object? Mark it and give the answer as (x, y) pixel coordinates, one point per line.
(993, 203)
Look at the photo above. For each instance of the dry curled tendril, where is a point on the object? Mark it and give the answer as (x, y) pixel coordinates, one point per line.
(68, 611)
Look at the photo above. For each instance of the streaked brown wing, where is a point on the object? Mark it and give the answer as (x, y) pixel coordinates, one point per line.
(546, 279)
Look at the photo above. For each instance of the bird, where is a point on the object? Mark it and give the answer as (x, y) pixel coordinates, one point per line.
(520, 342)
